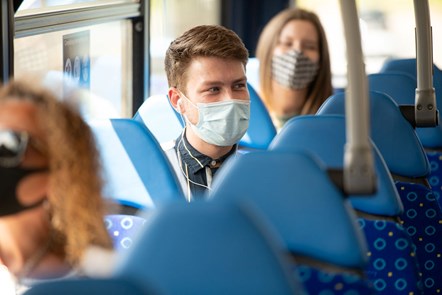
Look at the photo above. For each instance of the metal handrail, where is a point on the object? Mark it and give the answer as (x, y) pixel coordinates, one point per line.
(359, 172)
(426, 114)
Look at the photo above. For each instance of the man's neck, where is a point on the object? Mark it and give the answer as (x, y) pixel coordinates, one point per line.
(210, 150)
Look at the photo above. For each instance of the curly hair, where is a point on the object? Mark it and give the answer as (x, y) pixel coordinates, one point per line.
(204, 40)
(76, 203)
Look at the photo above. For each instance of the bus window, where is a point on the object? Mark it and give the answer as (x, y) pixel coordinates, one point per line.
(169, 19)
(70, 46)
(387, 30)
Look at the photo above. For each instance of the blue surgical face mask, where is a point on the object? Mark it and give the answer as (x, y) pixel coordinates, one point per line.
(221, 123)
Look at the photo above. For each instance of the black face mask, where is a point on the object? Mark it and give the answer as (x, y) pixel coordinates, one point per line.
(9, 180)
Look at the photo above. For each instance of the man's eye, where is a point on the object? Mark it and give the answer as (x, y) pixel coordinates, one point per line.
(240, 86)
(214, 89)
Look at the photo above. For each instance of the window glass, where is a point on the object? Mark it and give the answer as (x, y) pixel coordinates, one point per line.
(28, 5)
(387, 30)
(169, 19)
(95, 58)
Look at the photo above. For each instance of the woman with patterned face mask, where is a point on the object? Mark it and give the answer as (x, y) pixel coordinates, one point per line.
(294, 73)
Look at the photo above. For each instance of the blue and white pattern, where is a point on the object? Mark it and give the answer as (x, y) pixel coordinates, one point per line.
(123, 229)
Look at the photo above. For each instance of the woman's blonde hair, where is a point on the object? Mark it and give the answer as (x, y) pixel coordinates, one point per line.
(76, 204)
(321, 88)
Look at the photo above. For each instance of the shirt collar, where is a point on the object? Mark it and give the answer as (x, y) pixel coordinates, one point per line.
(202, 160)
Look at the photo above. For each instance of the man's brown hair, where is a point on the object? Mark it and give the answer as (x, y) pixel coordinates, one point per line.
(205, 41)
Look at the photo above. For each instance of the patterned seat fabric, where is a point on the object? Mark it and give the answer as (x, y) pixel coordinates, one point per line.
(123, 229)
(435, 177)
(422, 220)
(393, 267)
(318, 281)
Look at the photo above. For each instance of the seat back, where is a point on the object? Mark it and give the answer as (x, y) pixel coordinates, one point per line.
(89, 287)
(391, 132)
(325, 137)
(430, 137)
(206, 248)
(135, 169)
(405, 156)
(287, 188)
(261, 129)
(160, 117)
(293, 191)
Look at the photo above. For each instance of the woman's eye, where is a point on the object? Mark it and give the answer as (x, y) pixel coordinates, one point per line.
(213, 89)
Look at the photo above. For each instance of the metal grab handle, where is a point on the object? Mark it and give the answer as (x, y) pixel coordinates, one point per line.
(359, 172)
(426, 114)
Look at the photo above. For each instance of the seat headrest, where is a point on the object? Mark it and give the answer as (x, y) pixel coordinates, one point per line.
(135, 169)
(261, 129)
(208, 248)
(325, 137)
(431, 137)
(400, 86)
(391, 132)
(161, 119)
(293, 191)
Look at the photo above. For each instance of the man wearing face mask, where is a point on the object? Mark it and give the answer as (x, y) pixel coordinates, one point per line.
(205, 69)
(294, 72)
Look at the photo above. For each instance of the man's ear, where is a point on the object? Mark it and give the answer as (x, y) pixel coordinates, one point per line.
(175, 98)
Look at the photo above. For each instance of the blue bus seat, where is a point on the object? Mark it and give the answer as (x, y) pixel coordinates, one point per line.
(391, 132)
(123, 229)
(406, 159)
(325, 137)
(401, 86)
(431, 137)
(261, 130)
(89, 286)
(309, 212)
(159, 116)
(166, 124)
(206, 248)
(136, 171)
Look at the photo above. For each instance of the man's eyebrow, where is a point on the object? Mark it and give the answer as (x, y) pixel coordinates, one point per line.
(219, 82)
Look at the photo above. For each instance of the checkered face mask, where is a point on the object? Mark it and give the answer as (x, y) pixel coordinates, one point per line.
(293, 69)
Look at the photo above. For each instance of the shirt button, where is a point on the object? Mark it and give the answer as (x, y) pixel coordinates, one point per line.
(213, 163)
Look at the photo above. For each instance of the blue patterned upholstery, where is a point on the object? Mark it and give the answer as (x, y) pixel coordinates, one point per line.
(310, 133)
(422, 220)
(405, 157)
(319, 281)
(401, 86)
(123, 229)
(393, 267)
(435, 177)
(288, 192)
(207, 248)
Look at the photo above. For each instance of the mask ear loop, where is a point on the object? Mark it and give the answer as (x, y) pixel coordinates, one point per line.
(181, 142)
